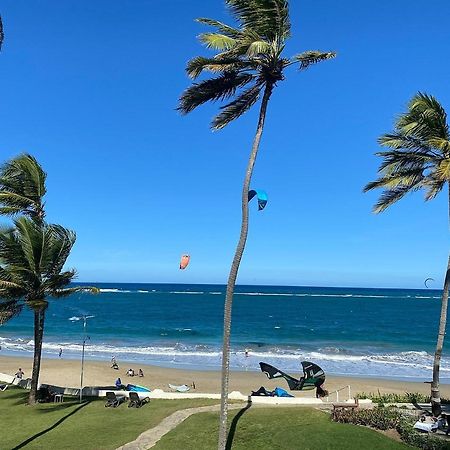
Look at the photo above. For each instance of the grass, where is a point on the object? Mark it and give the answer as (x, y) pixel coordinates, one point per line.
(70, 425)
(276, 429)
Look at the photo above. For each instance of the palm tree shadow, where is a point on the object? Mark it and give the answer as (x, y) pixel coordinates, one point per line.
(59, 422)
(234, 423)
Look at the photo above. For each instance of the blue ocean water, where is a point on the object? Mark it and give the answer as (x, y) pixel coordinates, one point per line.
(352, 331)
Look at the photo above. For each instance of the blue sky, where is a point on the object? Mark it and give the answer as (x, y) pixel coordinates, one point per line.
(90, 89)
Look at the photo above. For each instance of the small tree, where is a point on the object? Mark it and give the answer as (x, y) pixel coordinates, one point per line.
(32, 252)
(248, 65)
(418, 158)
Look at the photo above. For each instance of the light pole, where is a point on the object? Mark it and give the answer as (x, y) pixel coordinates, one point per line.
(85, 338)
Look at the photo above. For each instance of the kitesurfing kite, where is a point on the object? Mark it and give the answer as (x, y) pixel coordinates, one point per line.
(184, 261)
(425, 282)
(260, 195)
(313, 377)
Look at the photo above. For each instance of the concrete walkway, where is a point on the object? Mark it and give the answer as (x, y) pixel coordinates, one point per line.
(149, 438)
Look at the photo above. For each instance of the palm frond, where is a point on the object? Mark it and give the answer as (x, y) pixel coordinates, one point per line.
(9, 310)
(268, 18)
(257, 48)
(58, 249)
(425, 119)
(221, 27)
(59, 293)
(198, 64)
(218, 88)
(237, 107)
(396, 188)
(22, 185)
(311, 57)
(217, 41)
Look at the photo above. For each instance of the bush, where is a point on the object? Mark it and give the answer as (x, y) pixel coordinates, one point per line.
(407, 397)
(424, 441)
(387, 418)
(381, 419)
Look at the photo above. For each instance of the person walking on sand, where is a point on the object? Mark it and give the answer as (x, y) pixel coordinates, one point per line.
(60, 352)
(114, 364)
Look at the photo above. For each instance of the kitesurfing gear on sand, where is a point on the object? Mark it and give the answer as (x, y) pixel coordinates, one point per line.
(425, 282)
(184, 261)
(260, 195)
(313, 376)
(277, 392)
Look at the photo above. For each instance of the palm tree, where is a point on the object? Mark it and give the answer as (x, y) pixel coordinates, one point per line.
(32, 258)
(22, 188)
(418, 158)
(248, 64)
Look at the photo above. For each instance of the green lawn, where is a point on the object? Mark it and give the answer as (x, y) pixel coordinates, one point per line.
(276, 429)
(73, 426)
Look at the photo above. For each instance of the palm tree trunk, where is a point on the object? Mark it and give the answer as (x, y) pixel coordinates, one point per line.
(234, 272)
(39, 317)
(435, 394)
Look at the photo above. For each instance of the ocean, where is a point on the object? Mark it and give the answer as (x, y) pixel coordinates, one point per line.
(347, 331)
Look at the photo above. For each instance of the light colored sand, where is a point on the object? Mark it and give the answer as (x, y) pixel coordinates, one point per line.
(67, 373)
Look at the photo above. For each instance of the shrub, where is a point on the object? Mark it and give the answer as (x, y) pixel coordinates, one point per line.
(381, 419)
(387, 418)
(416, 439)
(407, 397)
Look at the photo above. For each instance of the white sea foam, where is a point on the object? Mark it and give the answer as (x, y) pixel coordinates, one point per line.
(114, 291)
(185, 292)
(417, 364)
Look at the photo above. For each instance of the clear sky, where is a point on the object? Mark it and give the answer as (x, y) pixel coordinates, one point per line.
(90, 88)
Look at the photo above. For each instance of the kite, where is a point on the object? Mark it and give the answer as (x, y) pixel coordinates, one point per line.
(260, 195)
(313, 377)
(425, 282)
(184, 261)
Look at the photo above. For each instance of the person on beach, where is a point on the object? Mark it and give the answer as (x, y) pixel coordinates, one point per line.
(60, 352)
(141, 373)
(114, 364)
(19, 374)
(119, 384)
(130, 373)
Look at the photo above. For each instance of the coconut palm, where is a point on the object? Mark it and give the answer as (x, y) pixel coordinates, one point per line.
(247, 66)
(22, 187)
(418, 158)
(32, 257)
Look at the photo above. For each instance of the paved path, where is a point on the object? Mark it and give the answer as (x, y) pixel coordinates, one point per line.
(149, 438)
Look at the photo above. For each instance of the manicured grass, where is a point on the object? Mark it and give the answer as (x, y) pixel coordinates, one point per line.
(276, 429)
(73, 426)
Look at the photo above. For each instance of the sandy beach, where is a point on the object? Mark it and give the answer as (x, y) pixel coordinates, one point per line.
(63, 372)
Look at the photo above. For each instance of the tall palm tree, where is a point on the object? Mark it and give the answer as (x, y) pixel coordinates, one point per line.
(418, 158)
(248, 64)
(31, 270)
(22, 188)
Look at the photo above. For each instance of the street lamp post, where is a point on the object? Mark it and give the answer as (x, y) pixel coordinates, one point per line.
(85, 338)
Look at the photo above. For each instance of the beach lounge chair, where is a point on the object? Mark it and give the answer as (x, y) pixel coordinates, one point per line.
(135, 401)
(346, 405)
(113, 400)
(3, 387)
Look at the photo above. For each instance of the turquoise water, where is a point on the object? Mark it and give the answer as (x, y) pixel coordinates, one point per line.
(368, 332)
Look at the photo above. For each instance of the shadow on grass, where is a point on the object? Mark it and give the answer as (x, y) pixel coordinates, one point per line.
(233, 427)
(59, 422)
